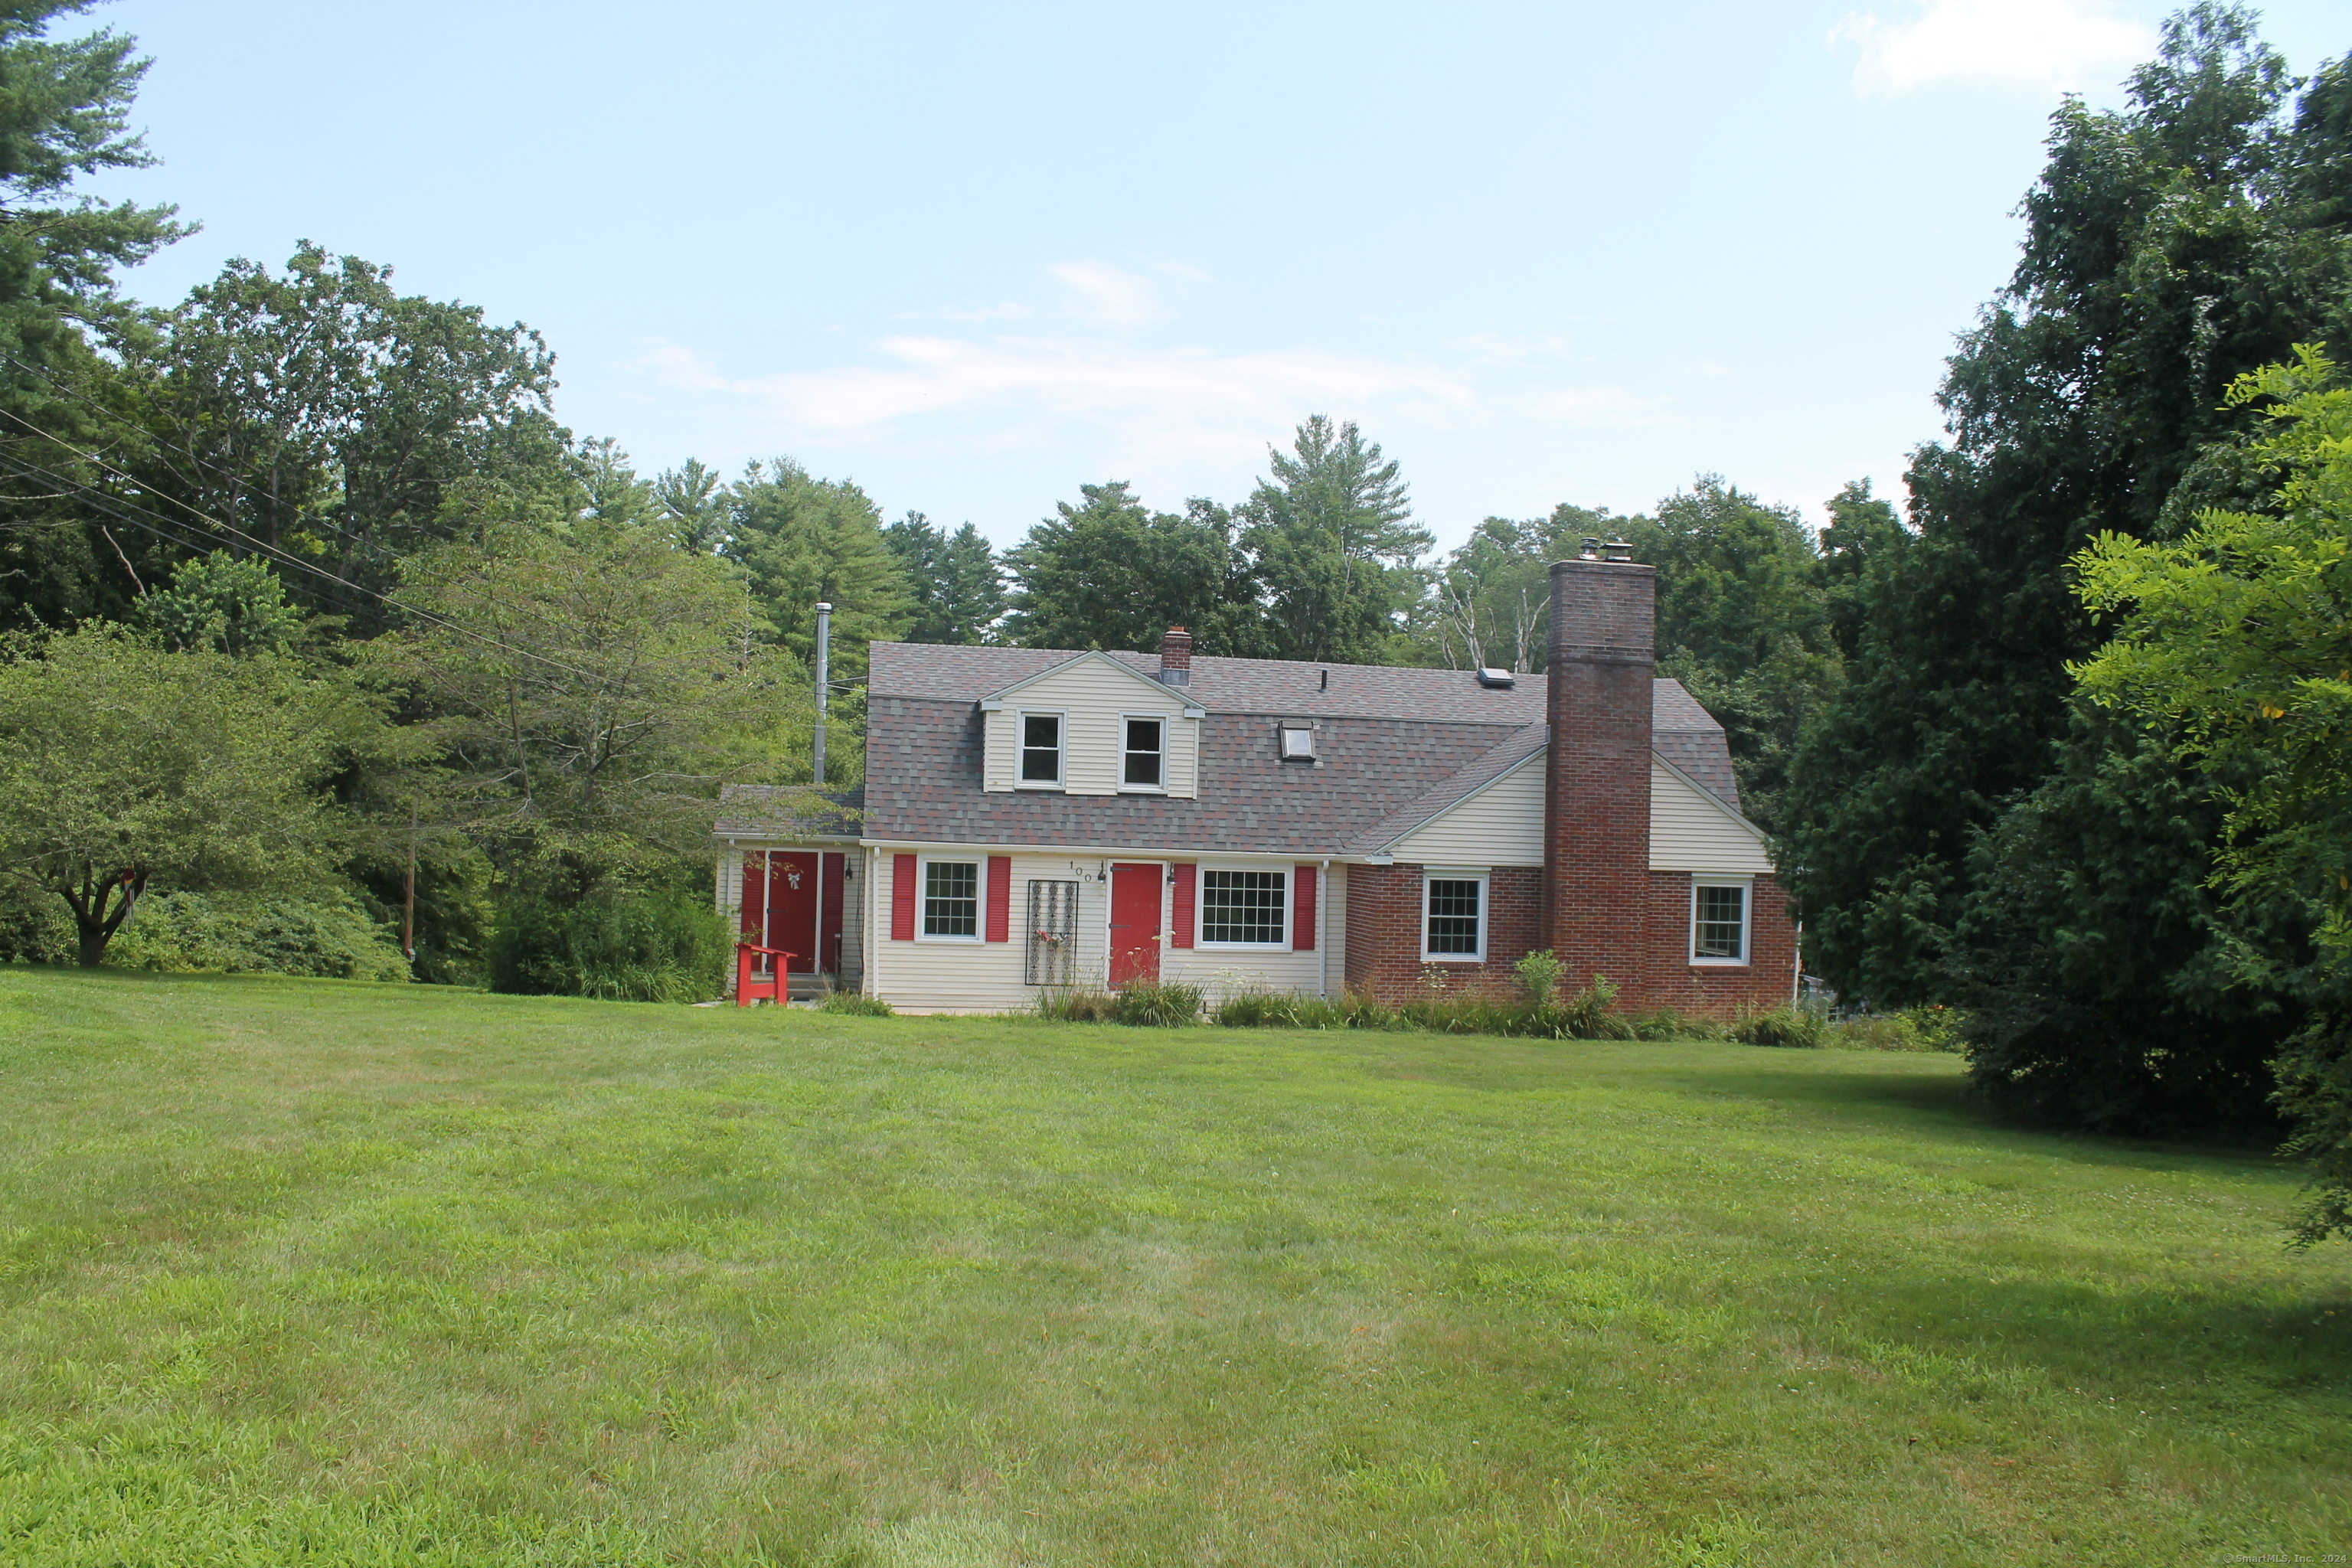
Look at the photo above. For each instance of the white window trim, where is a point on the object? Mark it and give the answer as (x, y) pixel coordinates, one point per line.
(980, 897)
(1020, 749)
(1201, 906)
(1747, 886)
(1166, 725)
(1439, 874)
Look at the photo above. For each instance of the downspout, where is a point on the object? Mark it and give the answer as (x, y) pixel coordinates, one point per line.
(1323, 933)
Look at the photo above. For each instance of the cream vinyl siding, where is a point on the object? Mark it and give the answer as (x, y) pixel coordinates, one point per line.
(1502, 825)
(979, 976)
(1094, 695)
(987, 976)
(1690, 830)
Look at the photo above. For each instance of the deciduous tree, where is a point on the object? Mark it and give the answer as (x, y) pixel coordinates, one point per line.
(124, 764)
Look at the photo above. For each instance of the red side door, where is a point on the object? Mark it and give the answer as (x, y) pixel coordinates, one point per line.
(755, 903)
(1134, 923)
(792, 884)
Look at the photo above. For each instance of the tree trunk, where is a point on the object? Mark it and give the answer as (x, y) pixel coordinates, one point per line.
(94, 938)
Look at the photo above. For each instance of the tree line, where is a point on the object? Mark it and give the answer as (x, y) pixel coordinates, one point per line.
(302, 580)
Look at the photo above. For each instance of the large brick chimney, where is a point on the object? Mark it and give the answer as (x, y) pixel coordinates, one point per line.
(1596, 772)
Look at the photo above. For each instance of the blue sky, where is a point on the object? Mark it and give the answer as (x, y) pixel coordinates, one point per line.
(973, 256)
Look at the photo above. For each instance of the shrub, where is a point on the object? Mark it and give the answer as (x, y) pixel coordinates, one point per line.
(856, 1004)
(1278, 1010)
(1780, 1025)
(1072, 1004)
(1538, 976)
(325, 933)
(1152, 1004)
(1671, 1024)
(1912, 1029)
(664, 947)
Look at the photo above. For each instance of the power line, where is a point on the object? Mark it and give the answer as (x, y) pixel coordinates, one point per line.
(99, 501)
(274, 552)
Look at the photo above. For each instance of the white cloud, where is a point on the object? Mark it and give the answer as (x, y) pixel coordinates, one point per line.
(1110, 297)
(1162, 402)
(2044, 43)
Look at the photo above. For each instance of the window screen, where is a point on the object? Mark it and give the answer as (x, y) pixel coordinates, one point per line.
(1719, 922)
(1041, 748)
(1144, 751)
(1453, 916)
(1242, 906)
(952, 898)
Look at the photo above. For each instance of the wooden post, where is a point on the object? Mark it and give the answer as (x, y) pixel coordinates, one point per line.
(408, 913)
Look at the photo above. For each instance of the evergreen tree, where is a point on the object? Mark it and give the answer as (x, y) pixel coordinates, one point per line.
(690, 498)
(1109, 573)
(1332, 549)
(2170, 246)
(65, 108)
(958, 591)
(801, 539)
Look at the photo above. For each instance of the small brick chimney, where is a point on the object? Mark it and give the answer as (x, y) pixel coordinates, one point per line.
(1176, 656)
(1597, 772)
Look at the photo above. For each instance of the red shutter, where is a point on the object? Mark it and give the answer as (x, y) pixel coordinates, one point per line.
(902, 897)
(1302, 909)
(1000, 898)
(1187, 880)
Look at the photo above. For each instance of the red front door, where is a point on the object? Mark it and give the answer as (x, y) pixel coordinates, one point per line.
(1134, 923)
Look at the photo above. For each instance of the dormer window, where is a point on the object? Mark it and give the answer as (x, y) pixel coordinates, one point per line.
(1041, 748)
(1144, 765)
(1297, 743)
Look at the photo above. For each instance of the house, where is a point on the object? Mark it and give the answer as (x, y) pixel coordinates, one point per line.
(1036, 817)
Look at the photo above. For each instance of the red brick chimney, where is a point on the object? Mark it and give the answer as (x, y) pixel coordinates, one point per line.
(1176, 656)
(1597, 772)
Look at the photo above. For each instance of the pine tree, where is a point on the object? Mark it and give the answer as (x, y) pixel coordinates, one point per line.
(1109, 573)
(958, 590)
(1329, 544)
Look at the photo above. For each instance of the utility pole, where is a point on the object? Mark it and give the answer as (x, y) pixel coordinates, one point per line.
(408, 914)
(823, 682)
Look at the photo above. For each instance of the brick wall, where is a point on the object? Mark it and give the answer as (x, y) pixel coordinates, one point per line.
(1384, 935)
(1648, 957)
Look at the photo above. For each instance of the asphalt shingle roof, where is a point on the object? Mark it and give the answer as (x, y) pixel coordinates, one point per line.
(1397, 746)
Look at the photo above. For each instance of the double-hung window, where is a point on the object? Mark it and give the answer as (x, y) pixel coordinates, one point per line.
(951, 898)
(1242, 908)
(1719, 922)
(1145, 762)
(1041, 748)
(1454, 918)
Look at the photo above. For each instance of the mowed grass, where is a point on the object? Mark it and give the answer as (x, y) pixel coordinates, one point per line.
(302, 1271)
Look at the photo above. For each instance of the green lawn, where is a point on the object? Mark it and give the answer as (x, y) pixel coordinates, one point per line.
(303, 1271)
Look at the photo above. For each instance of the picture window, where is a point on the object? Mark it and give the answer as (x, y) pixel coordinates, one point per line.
(1242, 907)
